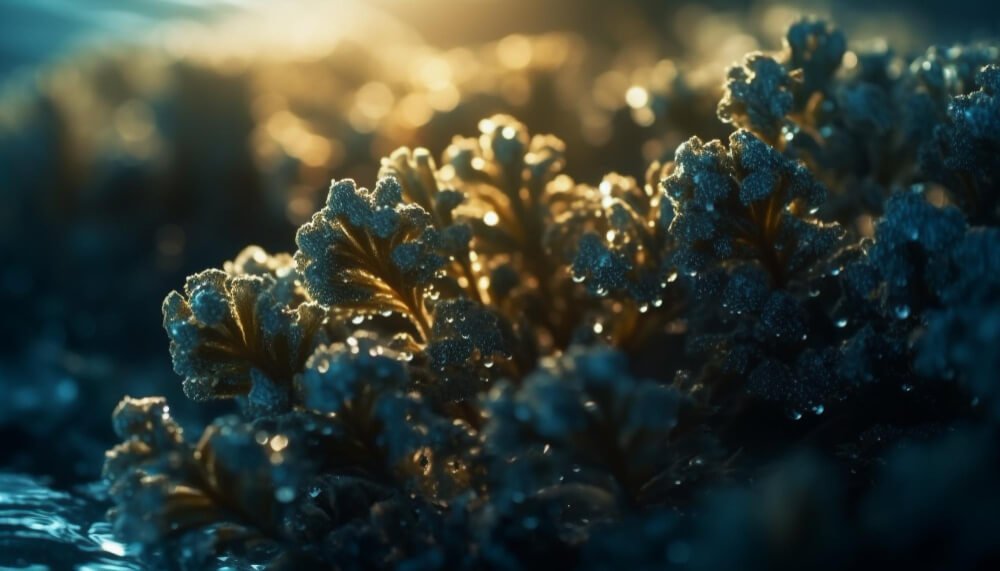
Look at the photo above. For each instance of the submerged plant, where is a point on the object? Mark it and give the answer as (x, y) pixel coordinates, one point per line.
(486, 364)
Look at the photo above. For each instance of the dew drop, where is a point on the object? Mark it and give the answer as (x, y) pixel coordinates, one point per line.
(818, 409)
(841, 323)
(794, 415)
(284, 494)
(902, 311)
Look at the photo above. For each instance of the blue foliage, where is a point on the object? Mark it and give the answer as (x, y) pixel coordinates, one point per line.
(776, 352)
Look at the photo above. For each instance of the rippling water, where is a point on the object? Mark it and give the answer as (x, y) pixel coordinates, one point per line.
(42, 528)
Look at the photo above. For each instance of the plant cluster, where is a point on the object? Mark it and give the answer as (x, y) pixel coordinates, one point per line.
(485, 364)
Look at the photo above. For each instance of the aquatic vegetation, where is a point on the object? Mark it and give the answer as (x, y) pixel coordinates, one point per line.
(488, 364)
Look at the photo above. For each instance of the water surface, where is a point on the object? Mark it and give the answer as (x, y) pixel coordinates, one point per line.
(42, 528)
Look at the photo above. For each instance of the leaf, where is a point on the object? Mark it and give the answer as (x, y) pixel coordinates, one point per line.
(245, 331)
(368, 252)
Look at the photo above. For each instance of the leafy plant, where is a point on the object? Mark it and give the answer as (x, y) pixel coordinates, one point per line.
(488, 364)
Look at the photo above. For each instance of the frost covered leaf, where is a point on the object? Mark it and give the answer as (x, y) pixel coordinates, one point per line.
(747, 202)
(417, 175)
(507, 177)
(583, 419)
(245, 331)
(612, 238)
(367, 388)
(171, 494)
(960, 336)
(912, 244)
(368, 252)
(817, 49)
(759, 94)
(965, 152)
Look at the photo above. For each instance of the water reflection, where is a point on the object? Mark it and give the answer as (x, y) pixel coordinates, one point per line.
(42, 528)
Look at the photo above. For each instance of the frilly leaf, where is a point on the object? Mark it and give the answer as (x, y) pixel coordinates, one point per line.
(368, 252)
(244, 331)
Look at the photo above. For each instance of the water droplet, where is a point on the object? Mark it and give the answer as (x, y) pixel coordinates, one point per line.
(841, 323)
(284, 494)
(386, 313)
(579, 278)
(902, 311)
(488, 363)
(818, 409)
(358, 319)
(794, 415)
(907, 387)
(644, 308)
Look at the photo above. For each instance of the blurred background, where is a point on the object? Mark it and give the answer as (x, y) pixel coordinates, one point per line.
(142, 141)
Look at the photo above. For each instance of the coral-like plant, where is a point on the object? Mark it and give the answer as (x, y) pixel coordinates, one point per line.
(490, 365)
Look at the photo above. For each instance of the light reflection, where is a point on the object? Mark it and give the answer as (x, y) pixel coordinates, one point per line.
(68, 527)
